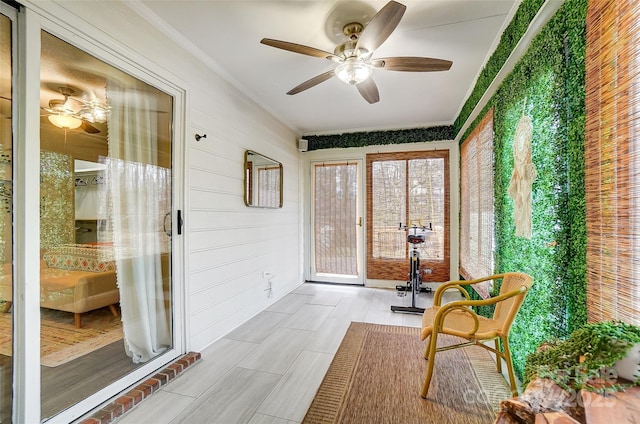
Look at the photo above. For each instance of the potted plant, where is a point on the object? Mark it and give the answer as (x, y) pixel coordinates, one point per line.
(595, 355)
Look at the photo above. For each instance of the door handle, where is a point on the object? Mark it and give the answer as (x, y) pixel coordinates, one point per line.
(359, 222)
(164, 224)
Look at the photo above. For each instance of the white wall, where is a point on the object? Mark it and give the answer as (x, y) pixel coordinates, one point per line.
(226, 245)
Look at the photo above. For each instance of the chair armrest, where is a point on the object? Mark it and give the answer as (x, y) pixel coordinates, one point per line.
(483, 302)
(438, 320)
(437, 297)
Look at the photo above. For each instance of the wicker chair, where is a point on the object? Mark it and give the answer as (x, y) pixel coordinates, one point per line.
(457, 319)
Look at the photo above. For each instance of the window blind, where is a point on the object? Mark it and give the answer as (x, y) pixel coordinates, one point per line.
(335, 217)
(407, 188)
(612, 160)
(269, 186)
(476, 202)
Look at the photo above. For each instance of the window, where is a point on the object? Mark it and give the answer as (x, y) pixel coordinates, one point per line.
(612, 160)
(408, 188)
(476, 202)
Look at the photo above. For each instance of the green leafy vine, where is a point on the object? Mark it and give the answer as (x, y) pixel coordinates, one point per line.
(371, 138)
(586, 356)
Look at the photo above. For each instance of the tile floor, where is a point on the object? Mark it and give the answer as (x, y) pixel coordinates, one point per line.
(268, 370)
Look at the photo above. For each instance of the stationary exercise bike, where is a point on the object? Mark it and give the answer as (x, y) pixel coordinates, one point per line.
(415, 236)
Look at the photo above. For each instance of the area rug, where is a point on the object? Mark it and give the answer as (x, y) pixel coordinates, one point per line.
(60, 341)
(378, 371)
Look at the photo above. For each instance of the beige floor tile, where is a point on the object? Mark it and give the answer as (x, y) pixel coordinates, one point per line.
(328, 338)
(290, 303)
(258, 328)
(216, 361)
(266, 419)
(161, 408)
(293, 394)
(233, 399)
(308, 317)
(278, 351)
(352, 308)
(378, 316)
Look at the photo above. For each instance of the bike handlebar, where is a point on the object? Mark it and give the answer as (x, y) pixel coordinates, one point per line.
(423, 227)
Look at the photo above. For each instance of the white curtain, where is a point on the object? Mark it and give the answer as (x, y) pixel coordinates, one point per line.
(137, 197)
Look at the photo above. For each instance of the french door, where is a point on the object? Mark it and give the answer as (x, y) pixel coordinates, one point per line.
(336, 229)
(407, 188)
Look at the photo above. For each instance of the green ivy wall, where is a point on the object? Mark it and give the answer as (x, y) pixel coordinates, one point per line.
(548, 85)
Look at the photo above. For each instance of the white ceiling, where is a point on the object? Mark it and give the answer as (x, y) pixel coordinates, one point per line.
(228, 33)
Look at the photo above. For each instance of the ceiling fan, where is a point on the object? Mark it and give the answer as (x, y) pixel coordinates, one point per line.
(62, 114)
(354, 56)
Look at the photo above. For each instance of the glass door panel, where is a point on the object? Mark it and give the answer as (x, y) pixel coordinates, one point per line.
(105, 224)
(6, 228)
(408, 188)
(336, 223)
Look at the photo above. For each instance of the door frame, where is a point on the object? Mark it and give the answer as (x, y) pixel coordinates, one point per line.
(360, 230)
(388, 267)
(359, 153)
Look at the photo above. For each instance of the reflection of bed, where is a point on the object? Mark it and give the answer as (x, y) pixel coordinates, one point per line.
(74, 279)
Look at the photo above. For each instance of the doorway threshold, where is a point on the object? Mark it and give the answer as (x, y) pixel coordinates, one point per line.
(331, 283)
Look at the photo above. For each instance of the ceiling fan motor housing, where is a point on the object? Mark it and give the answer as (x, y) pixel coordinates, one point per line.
(353, 30)
(346, 49)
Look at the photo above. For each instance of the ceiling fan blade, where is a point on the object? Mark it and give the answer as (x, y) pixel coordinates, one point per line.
(381, 26)
(87, 127)
(312, 82)
(299, 48)
(369, 90)
(412, 64)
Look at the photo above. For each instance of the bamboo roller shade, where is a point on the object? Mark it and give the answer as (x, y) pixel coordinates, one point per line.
(476, 203)
(612, 160)
(335, 218)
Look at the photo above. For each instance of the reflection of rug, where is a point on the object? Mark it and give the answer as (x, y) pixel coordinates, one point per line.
(61, 342)
(378, 371)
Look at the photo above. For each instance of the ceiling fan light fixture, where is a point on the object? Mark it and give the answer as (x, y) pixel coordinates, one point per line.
(65, 121)
(353, 71)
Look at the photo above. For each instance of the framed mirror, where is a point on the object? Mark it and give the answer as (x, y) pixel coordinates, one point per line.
(262, 181)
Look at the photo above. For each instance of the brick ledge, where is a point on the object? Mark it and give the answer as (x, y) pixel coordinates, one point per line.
(125, 402)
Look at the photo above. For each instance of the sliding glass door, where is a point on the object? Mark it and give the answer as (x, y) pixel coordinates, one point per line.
(105, 224)
(6, 214)
(88, 260)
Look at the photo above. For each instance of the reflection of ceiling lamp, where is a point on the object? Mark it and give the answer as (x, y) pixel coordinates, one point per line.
(94, 111)
(66, 114)
(65, 121)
